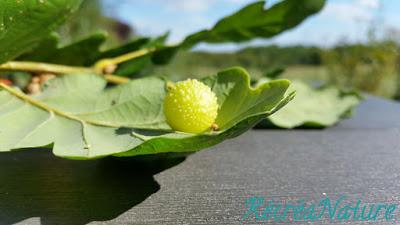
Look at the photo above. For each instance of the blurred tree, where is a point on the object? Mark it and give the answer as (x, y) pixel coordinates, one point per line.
(255, 57)
(371, 67)
(89, 19)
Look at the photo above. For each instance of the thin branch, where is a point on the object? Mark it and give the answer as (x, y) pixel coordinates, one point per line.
(98, 67)
(57, 70)
(43, 67)
(103, 63)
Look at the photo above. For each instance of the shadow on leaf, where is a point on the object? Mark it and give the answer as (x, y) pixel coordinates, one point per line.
(37, 184)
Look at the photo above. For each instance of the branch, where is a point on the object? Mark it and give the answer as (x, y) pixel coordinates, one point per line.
(100, 67)
(56, 69)
(43, 67)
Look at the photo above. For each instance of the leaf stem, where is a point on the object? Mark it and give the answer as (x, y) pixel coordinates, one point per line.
(115, 79)
(103, 63)
(132, 55)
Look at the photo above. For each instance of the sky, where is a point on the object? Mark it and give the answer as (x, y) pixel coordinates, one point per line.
(339, 21)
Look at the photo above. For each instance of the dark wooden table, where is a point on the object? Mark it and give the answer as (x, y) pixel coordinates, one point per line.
(359, 158)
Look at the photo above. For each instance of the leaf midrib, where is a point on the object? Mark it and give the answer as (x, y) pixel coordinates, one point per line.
(47, 108)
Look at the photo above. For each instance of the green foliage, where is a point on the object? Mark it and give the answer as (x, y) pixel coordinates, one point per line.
(79, 119)
(242, 25)
(252, 58)
(87, 51)
(134, 66)
(89, 19)
(280, 56)
(24, 23)
(274, 73)
(80, 53)
(371, 67)
(253, 21)
(313, 107)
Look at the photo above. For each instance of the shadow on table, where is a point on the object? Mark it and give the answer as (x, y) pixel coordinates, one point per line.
(37, 184)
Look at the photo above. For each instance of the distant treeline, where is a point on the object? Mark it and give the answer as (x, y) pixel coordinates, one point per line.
(274, 56)
(256, 57)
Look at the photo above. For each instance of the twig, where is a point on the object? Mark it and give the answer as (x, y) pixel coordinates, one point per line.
(58, 70)
(98, 68)
(43, 67)
(100, 65)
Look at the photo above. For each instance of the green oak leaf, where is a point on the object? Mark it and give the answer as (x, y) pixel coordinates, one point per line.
(23, 23)
(254, 21)
(313, 107)
(80, 53)
(79, 118)
(251, 22)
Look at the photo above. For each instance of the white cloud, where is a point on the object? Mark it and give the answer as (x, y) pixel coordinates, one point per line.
(187, 6)
(179, 28)
(348, 11)
(194, 6)
(169, 5)
(237, 1)
(373, 4)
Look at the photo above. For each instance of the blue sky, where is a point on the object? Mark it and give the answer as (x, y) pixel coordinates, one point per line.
(339, 21)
